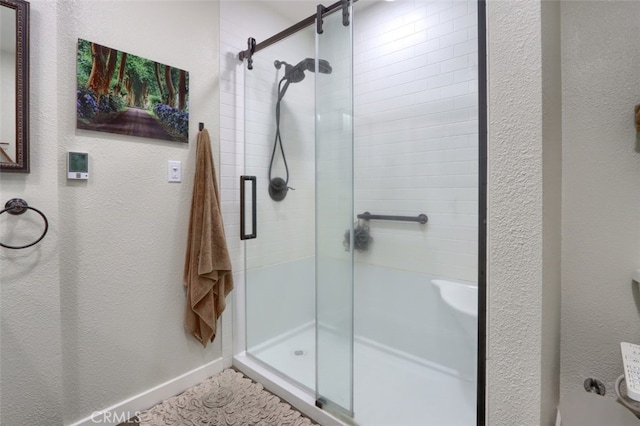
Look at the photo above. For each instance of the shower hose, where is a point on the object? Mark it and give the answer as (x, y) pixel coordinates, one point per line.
(278, 186)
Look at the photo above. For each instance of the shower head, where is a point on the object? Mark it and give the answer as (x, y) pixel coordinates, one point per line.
(279, 187)
(309, 64)
(295, 74)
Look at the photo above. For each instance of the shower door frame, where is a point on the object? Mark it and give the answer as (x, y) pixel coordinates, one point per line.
(335, 334)
(481, 379)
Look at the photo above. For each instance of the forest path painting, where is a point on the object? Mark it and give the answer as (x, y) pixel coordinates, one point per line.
(134, 122)
(122, 93)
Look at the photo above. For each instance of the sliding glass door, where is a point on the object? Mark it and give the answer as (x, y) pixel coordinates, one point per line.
(334, 214)
(280, 259)
(299, 254)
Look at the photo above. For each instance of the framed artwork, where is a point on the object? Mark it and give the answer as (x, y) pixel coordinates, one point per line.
(118, 92)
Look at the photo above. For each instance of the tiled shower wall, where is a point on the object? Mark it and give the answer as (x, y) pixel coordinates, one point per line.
(416, 133)
(286, 229)
(416, 143)
(416, 139)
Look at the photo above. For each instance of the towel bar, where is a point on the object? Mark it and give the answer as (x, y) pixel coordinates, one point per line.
(17, 206)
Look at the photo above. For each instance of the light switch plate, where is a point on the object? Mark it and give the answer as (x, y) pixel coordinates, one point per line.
(174, 171)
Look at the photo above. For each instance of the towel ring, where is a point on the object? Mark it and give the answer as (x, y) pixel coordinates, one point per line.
(16, 206)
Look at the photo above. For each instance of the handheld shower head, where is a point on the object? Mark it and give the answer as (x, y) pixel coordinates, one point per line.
(278, 187)
(295, 74)
(309, 64)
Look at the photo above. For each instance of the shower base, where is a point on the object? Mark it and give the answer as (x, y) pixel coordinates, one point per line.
(389, 389)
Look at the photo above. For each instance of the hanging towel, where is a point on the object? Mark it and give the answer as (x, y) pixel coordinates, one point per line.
(207, 268)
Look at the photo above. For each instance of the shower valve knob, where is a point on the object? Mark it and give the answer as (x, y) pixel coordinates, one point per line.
(278, 189)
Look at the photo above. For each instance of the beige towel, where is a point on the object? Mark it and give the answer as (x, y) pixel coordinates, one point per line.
(207, 268)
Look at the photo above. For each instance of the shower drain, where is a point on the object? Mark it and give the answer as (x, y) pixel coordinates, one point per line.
(299, 352)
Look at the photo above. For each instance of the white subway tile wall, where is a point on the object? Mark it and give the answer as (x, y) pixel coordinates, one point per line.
(416, 137)
(334, 157)
(416, 133)
(254, 119)
(286, 227)
(415, 150)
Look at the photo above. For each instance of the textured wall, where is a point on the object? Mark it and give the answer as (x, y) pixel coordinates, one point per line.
(522, 302)
(30, 350)
(115, 249)
(123, 232)
(601, 198)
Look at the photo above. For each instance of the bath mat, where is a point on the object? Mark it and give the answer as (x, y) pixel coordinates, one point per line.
(226, 399)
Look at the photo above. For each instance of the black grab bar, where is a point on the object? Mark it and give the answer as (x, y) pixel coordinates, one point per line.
(421, 218)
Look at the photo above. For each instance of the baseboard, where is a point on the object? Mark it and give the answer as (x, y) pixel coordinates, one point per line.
(129, 408)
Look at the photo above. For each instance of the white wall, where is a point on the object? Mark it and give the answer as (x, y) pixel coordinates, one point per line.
(30, 342)
(523, 212)
(601, 197)
(551, 210)
(113, 257)
(124, 230)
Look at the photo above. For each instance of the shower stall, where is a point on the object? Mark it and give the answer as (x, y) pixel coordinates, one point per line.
(363, 211)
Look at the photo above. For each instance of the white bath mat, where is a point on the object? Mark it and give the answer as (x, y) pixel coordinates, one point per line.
(226, 399)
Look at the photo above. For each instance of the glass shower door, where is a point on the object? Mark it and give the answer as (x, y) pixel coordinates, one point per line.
(334, 216)
(279, 261)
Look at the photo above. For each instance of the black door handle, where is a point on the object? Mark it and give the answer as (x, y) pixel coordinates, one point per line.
(254, 221)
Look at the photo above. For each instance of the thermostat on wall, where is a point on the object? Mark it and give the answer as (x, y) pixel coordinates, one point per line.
(77, 165)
